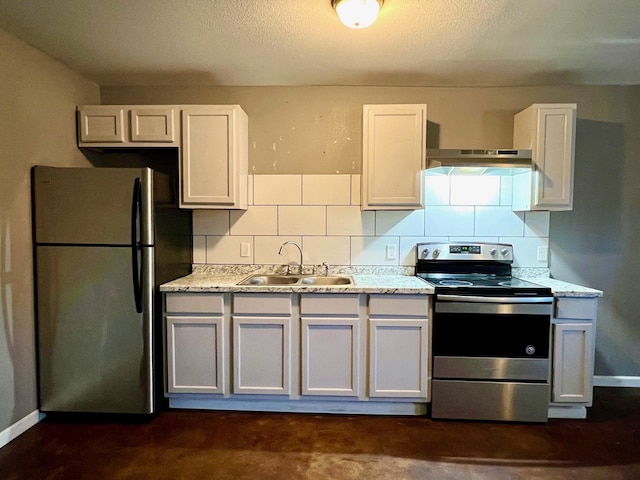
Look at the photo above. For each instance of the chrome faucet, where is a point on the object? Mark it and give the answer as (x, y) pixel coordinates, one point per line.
(291, 242)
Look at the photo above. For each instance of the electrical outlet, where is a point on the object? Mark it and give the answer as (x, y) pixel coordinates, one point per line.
(245, 249)
(543, 253)
(392, 253)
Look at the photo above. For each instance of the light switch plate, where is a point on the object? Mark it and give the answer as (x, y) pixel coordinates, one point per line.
(392, 253)
(245, 249)
(543, 253)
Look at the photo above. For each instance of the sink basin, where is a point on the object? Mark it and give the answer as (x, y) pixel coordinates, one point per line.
(268, 280)
(296, 280)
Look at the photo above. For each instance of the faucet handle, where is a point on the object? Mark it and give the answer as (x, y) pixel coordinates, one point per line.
(326, 266)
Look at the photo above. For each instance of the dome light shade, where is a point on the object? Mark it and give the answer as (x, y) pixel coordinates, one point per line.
(357, 13)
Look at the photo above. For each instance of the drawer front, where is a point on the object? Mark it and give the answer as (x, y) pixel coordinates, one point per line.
(576, 308)
(262, 304)
(399, 305)
(329, 304)
(194, 303)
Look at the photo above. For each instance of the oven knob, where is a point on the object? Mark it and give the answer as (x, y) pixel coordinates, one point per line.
(425, 252)
(436, 252)
(530, 349)
(493, 252)
(504, 252)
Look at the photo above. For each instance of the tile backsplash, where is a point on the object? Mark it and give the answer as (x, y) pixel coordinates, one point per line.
(322, 213)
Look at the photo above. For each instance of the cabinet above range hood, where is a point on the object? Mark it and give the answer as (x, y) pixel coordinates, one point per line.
(500, 161)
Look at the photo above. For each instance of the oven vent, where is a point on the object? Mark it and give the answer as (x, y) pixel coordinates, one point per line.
(499, 161)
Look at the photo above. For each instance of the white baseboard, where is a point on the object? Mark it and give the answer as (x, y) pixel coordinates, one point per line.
(20, 427)
(616, 381)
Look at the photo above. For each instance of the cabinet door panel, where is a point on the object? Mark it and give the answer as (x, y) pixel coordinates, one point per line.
(330, 356)
(261, 355)
(152, 125)
(102, 124)
(195, 362)
(398, 358)
(573, 363)
(394, 140)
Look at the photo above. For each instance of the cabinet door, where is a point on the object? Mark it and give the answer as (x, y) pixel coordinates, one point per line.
(393, 151)
(195, 361)
(152, 125)
(214, 157)
(398, 358)
(573, 362)
(261, 355)
(330, 356)
(554, 158)
(102, 124)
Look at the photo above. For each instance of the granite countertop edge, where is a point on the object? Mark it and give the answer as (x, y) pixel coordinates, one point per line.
(204, 282)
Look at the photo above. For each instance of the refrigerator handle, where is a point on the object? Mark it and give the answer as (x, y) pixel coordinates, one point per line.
(136, 219)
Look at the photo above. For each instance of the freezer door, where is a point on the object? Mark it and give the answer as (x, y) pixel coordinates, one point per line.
(95, 352)
(91, 206)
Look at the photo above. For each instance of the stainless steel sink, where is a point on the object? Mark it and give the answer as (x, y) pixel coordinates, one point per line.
(296, 280)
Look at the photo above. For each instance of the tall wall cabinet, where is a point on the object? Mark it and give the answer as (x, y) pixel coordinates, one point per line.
(549, 131)
(212, 141)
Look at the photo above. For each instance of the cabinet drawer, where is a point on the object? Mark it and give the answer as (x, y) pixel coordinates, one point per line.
(399, 305)
(194, 303)
(329, 304)
(576, 308)
(262, 304)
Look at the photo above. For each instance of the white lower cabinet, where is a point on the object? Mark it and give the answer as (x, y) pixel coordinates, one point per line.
(573, 350)
(262, 343)
(195, 332)
(398, 346)
(330, 345)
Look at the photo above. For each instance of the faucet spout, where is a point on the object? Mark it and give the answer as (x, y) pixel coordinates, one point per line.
(291, 242)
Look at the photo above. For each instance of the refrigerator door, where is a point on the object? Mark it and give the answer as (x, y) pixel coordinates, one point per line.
(91, 206)
(95, 349)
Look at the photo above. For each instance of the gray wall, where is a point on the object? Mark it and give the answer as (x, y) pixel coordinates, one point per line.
(37, 126)
(318, 130)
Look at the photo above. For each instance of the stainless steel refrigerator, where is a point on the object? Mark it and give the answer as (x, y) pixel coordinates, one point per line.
(104, 239)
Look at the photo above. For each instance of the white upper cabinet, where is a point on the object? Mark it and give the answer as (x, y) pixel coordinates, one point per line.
(214, 157)
(549, 131)
(394, 141)
(127, 126)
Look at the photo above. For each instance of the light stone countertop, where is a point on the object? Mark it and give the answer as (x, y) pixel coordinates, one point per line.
(399, 280)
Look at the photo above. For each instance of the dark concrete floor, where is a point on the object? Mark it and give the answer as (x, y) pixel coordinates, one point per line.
(224, 445)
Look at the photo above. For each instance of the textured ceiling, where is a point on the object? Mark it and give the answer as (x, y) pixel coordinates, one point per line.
(302, 42)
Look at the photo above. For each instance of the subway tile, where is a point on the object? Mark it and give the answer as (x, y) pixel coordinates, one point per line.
(506, 190)
(475, 239)
(525, 251)
(373, 250)
(210, 222)
(256, 220)
(475, 190)
(437, 189)
(277, 189)
(226, 249)
(302, 220)
(350, 221)
(498, 221)
(267, 248)
(536, 224)
(199, 249)
(326, 189)
(333, 250)
(356, 189)
(399, 222)
(449, 220)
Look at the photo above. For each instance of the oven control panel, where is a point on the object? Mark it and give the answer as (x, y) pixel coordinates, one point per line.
(464, 251)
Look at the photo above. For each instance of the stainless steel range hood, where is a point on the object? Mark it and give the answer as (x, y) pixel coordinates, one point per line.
(500, 161)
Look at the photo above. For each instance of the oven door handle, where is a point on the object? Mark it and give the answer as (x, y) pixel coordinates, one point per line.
(479, 299)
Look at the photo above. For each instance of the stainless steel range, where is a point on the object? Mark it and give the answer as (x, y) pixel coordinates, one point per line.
(490, 337)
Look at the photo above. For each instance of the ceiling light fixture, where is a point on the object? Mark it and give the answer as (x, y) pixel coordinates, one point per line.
(357, 13)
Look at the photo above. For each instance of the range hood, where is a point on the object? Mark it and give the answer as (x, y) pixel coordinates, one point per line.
(499, 161)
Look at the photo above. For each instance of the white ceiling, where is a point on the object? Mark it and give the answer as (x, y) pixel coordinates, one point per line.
(302, 42)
